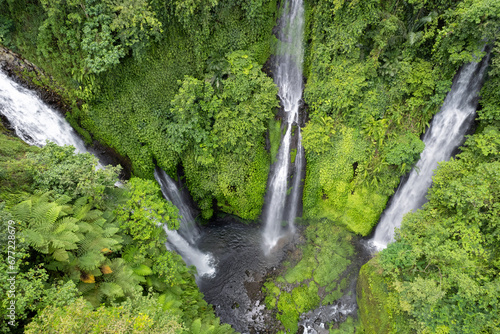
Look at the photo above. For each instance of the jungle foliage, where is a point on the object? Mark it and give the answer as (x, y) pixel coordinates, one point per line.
(123, 63)
(319, 274)
(91, 257)
(376, 74)
(173, 83)
(442, 272)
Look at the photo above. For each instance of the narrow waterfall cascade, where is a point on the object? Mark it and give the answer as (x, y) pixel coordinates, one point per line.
(184, 239)
(288, 78)
(445, 134)
(188, 228)
(297, 178)
(32, 120)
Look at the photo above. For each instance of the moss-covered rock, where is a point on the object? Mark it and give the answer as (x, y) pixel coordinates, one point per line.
(318, 275)
(372, 298)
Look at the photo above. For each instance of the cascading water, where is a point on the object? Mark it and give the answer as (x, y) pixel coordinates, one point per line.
(187, 228)
(288, 78)
(33, 121)
(184, 240)
(445, 134)
(297, 178)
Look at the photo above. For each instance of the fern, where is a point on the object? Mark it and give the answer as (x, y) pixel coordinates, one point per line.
(92, 216)
(143, 270)
(52, 214)
(36, 240)
(22, 211)
(91, 260)
(61, 255)
(110, 231)
(111, 290)
(66, 224)
(196, 326)
(62, 200)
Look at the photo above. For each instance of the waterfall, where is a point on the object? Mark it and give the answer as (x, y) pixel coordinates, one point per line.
(32, 120)
(445, 134)
(288, 78)
(297, 178)
(183, 241)
(187, 228)
(35, 123)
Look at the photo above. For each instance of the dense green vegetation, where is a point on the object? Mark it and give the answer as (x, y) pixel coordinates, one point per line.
(441, 276)
(376, 74)
(180, 84)
(81, 243)
(149, 47)
(319, 274)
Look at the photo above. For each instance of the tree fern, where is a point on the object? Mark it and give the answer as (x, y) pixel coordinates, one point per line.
(111, 290)
(142, 270)
(61, 255)
(52, 214)
(36, 240)
(92, 215)
(91, 260)
(196, 326)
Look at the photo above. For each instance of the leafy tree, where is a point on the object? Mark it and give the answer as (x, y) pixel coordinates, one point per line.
(65, 172)
(142, 314)
(221, 133)
(405, 152)
(91, 36)
(444, 264)
(144, 212)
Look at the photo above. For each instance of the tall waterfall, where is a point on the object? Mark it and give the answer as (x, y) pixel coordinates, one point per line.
(445, 134)
(288, 77)
(33, 121)
(183, 240)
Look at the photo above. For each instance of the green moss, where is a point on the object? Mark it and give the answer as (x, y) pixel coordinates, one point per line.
(331, 297)
(287, 312)
(362, 210)
(372, 298)
(304, 268)
(293, 154)
(306, 297)
(323, 262)
(14, 176)
(272, 293)
(350, 326)
(274, 137)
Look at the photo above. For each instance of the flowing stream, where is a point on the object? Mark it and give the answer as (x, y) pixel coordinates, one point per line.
(445, 134)
(183, 240)
(288, 78)
(35, 122)
(32, 120)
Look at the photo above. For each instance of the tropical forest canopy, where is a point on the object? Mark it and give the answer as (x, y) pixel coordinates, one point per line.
(186, 84)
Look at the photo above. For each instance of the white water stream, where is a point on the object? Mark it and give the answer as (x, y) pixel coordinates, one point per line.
(33, 121)
(184, 239)
(445, 134)
(288, 78)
